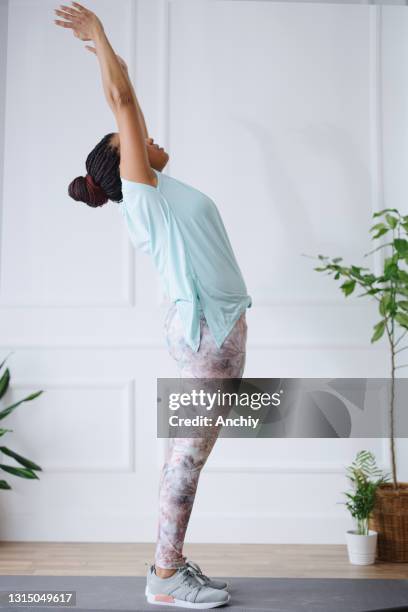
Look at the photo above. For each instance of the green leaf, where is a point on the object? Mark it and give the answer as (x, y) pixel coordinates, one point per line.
(370, 292)
(5, 359)
(22, 460)
(402, 319)
(4, 382)
(337, 259)
(378, 331)
(369, 278)
(10, 409)
(348, 287)
(390, 269)
(356, 272)
(4, 485)
(380, 233)
(377, 227)
(392, 221)
(401, 246)
(403, 304)
(21, 472)
(403, 276)
(385, 210)
(4, 431)
(384, 304)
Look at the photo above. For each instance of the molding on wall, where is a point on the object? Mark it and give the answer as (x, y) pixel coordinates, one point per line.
(127, 386)
(128, 301)
(128, 259)
(131, 275)
(376, 120)
(3, 75)
(267, 346)
(164, 74)
(312, 467)
(307, 301)
(277, 468)
(133, 7)
(164, 71)
(260, 527)
(363, 2)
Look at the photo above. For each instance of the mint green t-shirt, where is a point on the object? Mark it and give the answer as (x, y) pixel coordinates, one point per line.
(182, 230)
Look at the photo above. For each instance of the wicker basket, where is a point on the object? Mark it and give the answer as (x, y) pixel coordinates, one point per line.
(390, 520)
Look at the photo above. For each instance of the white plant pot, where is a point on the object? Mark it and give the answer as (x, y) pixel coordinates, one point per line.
(361, 548)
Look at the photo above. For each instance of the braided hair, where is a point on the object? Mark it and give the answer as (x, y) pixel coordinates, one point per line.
(102, 182)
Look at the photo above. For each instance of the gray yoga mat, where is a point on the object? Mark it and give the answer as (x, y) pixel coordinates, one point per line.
(97, 594)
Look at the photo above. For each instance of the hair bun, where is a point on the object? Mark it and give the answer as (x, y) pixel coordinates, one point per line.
(84, 189)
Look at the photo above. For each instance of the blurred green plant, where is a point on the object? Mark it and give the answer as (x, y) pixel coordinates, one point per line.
(29, 468)
(389, 288)
(365, 478)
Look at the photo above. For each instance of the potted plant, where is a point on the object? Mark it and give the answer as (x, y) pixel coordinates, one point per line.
(389, 289)
(365, 478)
(29, 468)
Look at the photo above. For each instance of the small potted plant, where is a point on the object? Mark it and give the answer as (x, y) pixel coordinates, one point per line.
(28, 468)
(365, 478)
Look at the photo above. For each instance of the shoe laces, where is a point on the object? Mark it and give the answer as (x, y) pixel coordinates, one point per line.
(197, 572)
(191, 574)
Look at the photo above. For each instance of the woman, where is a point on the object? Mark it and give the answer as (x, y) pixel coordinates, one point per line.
(205, 326)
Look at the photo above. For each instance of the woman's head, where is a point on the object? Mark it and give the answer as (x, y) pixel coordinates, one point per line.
(102, 181)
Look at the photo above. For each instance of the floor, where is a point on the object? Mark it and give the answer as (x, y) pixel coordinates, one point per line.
(126, 594)
(263, 560)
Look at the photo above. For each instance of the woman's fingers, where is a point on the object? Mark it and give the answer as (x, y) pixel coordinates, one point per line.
(92, 49)
(64, 24)
(78, 18)
(70, 10)
(79, 6)
(66, 16)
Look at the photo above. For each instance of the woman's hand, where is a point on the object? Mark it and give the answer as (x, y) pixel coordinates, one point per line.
(84, 24)
(120, 60)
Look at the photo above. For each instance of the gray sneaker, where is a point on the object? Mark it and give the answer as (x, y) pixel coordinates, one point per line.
(185, 589)
(214, 584)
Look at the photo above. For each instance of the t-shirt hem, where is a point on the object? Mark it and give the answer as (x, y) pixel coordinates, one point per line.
(219, 340)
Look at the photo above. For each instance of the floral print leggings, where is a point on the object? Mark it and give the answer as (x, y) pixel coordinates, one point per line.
(186, 456)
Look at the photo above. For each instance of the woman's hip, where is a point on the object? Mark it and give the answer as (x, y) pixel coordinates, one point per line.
(210, 361)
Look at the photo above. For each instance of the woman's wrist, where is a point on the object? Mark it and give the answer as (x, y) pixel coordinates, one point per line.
(98, 33)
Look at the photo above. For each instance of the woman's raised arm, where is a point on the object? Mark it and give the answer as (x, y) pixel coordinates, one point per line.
(125, 70)
(119, 93)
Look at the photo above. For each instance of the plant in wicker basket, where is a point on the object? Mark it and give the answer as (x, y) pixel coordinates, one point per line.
(28, 468)
(390, 290)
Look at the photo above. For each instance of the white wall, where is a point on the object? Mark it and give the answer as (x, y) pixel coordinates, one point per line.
(264, 107)
(3, 68)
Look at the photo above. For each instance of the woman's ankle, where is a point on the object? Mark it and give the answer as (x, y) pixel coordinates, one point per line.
(162, 572)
